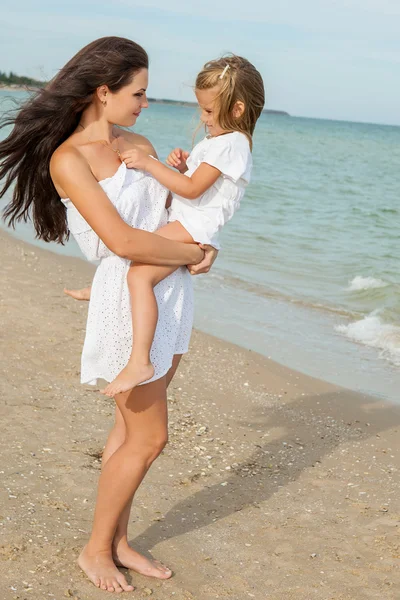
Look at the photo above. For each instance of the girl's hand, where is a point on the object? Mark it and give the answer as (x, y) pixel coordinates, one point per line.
(136, 158)
(205, 265)
(177, 159)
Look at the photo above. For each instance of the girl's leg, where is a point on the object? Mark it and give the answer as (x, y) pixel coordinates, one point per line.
(123, 554)
(141, 282)
(144, 412)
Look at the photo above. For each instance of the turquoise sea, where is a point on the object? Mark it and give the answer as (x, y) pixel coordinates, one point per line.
(309, 270)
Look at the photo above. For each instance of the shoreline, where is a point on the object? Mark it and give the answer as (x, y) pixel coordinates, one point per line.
(271, 111)
(336, 364)
(273, 485)
(85, 270)
(166, 101)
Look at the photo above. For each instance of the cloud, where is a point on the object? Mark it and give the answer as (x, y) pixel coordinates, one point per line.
(329, 59)
(309, 15)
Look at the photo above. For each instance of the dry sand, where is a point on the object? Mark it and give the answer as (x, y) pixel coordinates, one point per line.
(274, 485)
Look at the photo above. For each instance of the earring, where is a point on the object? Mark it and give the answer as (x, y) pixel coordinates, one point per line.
(104, 102)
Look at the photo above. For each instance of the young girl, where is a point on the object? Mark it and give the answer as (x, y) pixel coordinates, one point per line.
(206, 192)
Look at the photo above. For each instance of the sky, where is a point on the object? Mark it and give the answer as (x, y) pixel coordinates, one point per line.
(334, 59)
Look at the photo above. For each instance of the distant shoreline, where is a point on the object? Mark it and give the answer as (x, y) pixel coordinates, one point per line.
(16, 88)
(194, 104)
(21, 88)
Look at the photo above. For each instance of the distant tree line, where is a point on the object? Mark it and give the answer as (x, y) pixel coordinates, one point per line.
(13, 79)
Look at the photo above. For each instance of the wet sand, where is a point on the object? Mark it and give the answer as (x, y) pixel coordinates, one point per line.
(274, 485)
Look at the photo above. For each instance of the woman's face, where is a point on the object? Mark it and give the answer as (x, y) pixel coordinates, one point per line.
(124, 107)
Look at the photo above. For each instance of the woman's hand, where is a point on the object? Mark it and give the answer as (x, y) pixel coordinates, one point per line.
(177, 159)
(210, 254)
(136, 158)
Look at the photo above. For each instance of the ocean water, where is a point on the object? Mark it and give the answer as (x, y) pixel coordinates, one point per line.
(309, 270)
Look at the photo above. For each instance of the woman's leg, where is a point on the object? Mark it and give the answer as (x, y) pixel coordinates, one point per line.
(123, 554)
(144, 412)
(141, 282)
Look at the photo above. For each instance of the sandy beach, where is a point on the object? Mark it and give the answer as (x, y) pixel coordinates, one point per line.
(273, 486)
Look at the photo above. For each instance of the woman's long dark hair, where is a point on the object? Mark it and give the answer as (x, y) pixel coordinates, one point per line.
(47, 119)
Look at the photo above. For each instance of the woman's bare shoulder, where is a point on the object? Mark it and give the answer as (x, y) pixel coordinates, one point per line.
(135, 139)
(67, 155)
(66, 162)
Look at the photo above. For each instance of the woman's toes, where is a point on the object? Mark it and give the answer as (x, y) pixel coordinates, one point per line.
(162, 568)
(124, 584)
(117, 587)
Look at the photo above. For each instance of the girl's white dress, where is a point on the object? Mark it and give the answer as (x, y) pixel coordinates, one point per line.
(204, 217)
(140, 200)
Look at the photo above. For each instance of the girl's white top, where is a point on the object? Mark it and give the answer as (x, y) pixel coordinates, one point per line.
(140, 201)
(204, 217)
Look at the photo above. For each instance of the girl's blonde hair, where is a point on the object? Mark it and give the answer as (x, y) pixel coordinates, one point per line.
(238, 81)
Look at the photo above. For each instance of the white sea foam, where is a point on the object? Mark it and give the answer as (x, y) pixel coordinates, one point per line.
(365, 283)
(371, 331)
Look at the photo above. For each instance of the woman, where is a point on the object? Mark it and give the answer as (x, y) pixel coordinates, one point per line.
(66, 144)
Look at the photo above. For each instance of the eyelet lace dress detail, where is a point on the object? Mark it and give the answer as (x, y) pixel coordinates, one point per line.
(140, 200)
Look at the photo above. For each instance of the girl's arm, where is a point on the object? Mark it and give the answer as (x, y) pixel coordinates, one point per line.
(188, 187)
(71, 173)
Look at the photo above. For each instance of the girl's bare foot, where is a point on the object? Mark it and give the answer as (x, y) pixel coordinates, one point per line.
(125, 556)
(133, 374)
(102, 571)
(82, 294)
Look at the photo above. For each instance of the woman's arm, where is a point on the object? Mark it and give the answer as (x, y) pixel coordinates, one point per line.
(70, 172)
(188, 187)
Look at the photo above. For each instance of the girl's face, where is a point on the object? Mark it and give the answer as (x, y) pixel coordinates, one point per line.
(124, 107)
(208, 106)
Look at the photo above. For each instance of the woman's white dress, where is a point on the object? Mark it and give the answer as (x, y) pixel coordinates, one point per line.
(140, 200)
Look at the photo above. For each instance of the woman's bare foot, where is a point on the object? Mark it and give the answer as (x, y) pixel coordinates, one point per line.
(103, 572)
(125, 556)
(133, 374)
(82, 294)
